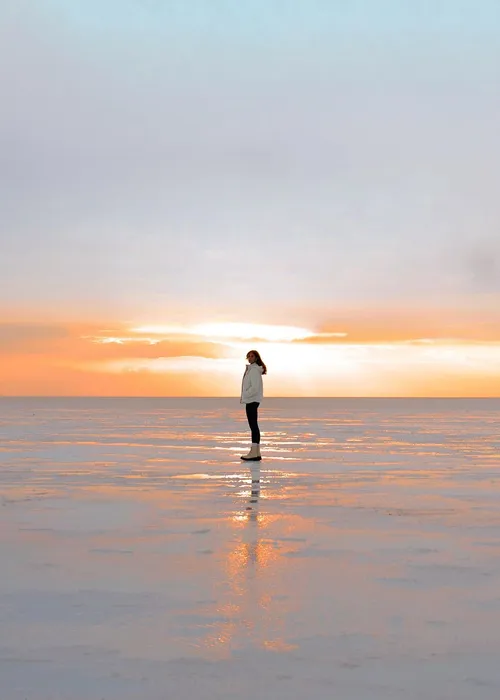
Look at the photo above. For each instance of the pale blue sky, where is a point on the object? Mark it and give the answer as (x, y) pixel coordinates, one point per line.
(247, 157)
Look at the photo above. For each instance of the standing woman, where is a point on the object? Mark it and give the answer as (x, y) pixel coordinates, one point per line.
(251, 395)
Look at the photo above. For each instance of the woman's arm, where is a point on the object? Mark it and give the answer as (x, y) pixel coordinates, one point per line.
(254, 384)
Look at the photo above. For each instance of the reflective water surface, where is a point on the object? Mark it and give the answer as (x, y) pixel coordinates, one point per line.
(143, 559)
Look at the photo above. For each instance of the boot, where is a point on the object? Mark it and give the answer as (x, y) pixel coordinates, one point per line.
(253, 455)
(248, 454)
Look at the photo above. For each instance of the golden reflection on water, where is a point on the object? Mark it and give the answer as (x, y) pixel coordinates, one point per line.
(249, 609)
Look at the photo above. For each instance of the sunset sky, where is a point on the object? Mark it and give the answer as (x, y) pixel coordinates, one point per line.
(184, 180)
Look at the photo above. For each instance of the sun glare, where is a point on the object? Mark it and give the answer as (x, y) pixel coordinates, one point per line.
(248, 331)
(235, 331)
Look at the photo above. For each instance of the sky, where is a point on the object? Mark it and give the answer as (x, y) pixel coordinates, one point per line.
(181, 181)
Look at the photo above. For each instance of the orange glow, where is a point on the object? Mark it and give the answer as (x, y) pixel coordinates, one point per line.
(452, 354)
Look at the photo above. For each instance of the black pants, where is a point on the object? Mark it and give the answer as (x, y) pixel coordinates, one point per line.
(252, 410)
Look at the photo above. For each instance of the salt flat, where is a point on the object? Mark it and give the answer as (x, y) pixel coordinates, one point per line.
(137, 564)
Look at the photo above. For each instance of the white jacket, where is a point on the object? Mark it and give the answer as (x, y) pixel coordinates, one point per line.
(251, 387)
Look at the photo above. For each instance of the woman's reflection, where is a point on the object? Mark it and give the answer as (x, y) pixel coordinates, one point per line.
(255, 492)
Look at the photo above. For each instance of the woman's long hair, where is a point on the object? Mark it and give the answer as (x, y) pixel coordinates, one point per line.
(258, 360)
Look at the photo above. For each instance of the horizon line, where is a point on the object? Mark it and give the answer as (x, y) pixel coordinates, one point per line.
(223, 398)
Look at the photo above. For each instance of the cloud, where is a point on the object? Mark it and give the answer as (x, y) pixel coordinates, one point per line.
(66, 360)
(76, 343)
(145, 349)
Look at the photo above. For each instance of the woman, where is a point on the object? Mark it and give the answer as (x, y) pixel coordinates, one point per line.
(251, 396)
